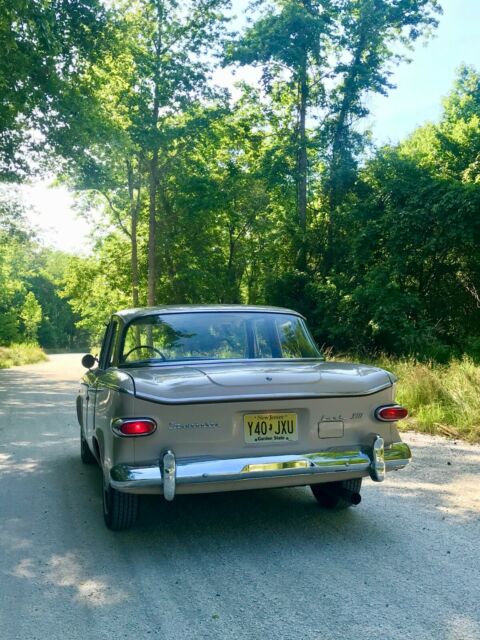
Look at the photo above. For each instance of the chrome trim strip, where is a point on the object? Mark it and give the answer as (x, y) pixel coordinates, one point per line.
(256, 398)
(204, 470)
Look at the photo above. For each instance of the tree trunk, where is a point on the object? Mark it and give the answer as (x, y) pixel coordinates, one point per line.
(231, 295)
(134, 211)
(335, 184)
(340, 146)
(153, 168)
(302, 167)
(152, 192)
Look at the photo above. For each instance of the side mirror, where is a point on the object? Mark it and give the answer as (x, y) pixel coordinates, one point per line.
(88, 361)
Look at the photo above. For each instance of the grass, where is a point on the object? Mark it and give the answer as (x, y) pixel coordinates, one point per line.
(441, 399)
(17, 354)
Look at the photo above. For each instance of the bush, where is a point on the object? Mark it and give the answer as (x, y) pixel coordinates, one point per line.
(17, 354)
(441, 398)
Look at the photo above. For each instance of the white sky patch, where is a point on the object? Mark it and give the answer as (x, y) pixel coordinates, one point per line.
(228, 77)
(50, 210)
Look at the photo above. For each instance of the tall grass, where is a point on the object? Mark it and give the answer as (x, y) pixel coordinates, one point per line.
(17, 354)
(441, 399)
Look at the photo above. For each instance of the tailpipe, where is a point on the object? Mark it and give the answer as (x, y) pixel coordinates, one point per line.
(352, 497)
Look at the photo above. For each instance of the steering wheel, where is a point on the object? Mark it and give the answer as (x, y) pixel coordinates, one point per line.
(145, 346)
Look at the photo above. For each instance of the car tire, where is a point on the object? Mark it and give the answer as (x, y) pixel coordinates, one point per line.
(120, 510)
(86, 455)
(325, 493)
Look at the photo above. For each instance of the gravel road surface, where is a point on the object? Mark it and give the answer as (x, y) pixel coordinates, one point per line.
(263, 565)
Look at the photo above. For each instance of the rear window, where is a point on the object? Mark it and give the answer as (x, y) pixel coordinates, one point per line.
(217, 336)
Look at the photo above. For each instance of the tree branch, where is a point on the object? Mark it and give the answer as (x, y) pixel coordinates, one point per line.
(115, 212)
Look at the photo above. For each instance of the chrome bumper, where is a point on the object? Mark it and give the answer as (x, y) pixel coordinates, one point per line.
(169, 472)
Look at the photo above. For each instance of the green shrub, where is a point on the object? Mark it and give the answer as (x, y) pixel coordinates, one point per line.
(17, 354)
(441, 398)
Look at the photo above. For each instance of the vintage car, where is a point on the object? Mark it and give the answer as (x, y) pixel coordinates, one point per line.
(195, 399)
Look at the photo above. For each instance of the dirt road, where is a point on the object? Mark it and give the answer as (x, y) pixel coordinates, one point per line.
(269, 565)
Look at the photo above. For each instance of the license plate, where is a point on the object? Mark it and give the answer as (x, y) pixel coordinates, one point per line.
(270, 427)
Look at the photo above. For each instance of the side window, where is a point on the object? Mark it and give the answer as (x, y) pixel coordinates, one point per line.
(111, 344)
(106, 353)
(263, 341)
(292, 339)
(103, 348)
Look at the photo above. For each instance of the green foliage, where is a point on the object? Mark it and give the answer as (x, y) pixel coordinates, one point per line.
(442, 399)
(44, 45)
(31, 278)
(95, 288)
(31, 316)
(406, 277)
(18, 354)
(411, 254)
(451, 149)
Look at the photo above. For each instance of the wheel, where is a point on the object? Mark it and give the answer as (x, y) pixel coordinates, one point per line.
(120, 510)
(329, 496)
(85, 454)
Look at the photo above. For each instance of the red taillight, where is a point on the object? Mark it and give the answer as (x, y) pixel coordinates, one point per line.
(134, 427)
(391, 413)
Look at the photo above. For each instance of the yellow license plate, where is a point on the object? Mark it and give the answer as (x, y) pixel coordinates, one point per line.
(270, 427)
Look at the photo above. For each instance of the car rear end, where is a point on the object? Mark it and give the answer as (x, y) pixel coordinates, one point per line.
(258, 443)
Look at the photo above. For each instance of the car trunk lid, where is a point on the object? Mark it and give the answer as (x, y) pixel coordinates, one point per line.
(247, 380)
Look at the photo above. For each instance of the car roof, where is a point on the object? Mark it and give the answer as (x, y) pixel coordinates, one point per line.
(127, 315)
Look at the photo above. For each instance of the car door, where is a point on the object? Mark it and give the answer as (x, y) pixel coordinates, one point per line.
(93, 376)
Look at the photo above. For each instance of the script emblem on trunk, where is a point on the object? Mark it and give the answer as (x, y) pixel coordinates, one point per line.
(174, 426)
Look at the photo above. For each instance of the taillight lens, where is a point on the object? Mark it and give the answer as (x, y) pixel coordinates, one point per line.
(134, 427)
(391, 413)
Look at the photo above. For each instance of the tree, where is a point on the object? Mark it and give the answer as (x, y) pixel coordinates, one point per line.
(27, 268)
(292, 41)
(14, 235)
(31, 316)
(155, 69)
(371, 32)
(451, 148)
(328, 54)
(407, 277)
(44, 45)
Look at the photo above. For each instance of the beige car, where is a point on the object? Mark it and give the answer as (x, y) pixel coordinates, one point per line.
(196, 399)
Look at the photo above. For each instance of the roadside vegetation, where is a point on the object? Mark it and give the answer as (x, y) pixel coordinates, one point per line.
(442, 399)
(17, 354)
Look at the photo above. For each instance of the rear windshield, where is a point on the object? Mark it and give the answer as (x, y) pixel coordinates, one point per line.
(216, 336)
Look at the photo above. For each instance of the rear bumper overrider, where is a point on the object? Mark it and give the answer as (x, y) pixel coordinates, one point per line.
(170, 474)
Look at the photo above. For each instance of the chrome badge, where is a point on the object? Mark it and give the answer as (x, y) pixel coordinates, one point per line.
(178, 426)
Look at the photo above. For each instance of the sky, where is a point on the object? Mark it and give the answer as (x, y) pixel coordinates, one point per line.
(420, 87)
